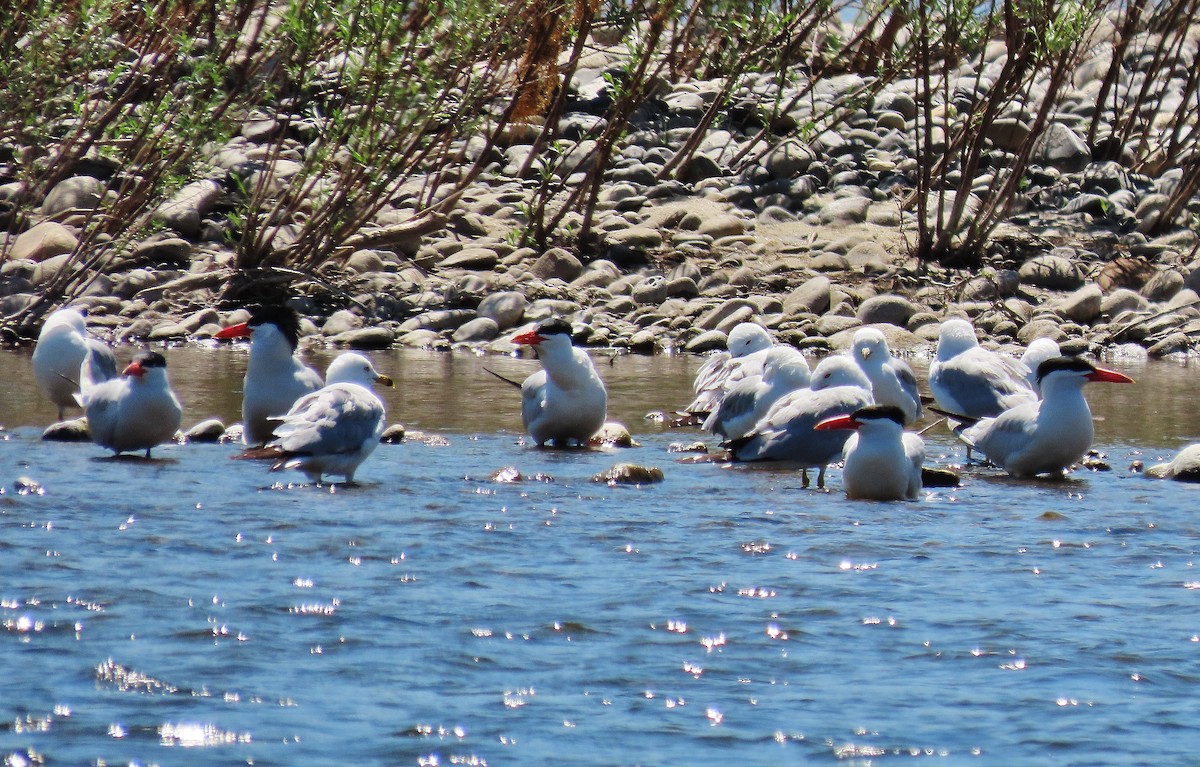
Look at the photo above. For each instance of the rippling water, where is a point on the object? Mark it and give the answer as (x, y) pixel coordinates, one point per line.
(190, 610)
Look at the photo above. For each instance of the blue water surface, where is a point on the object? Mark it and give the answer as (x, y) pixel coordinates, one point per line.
(194, 609)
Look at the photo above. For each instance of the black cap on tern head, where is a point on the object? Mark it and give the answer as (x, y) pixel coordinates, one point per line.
(879, 412)
(281, 316)
(1075, 364)
(554, 326)
(150, 360)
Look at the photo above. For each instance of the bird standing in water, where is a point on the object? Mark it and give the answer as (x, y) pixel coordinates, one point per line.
(1045, 436)
(63, 350)
(334, 429)
(135, 411)
(275, 377)
(892, 380)
(565, 402)
(882, 460)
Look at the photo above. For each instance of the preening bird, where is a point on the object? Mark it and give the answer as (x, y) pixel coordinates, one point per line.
(972, 381)
(63, 347)
(749, 399)
(135, 411)
(1044, 436)
(787, 435)
(275, 377)
(334, 429)
(746, 349)
(566, 401)
(882, 461)
(892, 380)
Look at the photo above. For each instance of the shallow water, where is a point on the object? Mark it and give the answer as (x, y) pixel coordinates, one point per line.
(434, 616)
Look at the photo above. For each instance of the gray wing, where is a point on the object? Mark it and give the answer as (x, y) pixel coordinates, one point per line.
(102, 365)
(709, 384)
(982, 391)
(1004, 435)
(336, 419)
(908, 382)
(914, 451)
(787, 434)
(533, 397)
(738, 402)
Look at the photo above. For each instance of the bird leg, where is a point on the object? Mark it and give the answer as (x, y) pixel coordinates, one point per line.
(804, 478)
(821, 478)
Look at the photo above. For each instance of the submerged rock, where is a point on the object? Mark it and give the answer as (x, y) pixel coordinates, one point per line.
(939, 478)
(75, 430)
(393, 435)
(613, 434)
(630, 474)
(210, 430)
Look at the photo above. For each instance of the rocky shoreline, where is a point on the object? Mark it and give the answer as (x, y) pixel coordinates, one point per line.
(811, 240)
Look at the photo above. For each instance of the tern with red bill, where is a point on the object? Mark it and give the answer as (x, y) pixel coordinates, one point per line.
(334, 429)
(275, 377)
(135, 411)
(882, 460)
(565, 402)
(1046, 436)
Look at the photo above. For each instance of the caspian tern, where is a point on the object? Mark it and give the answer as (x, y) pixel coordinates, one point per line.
(334, 429)
(63, 346)
(787, 434)
(135, 411)
(565, 402)
(892, 380)
(275, 377)
(748, 400)
(882, 460)
(1045, 436)
(969, 380)
(746, 350)
(1038, 351)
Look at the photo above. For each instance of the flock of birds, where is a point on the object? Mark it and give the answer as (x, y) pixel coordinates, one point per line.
(1027, 416)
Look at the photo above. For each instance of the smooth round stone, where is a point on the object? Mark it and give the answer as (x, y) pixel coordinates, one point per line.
(1083, 305)
(1050, 271)
(1123, 300)
(812, 297)
(726, 225)
(886, 309)
(42, 241)
(477, 259)
(986, 288)
(506, 308)
(788, 159)
(1163, 285)
(559, 263)
(75, 430)
(651, 290)
(422, 338)
(341, 321)
(366, 338)
(709, 340)
(847, 209)
(476, 331)
(77, 192)
(210, 430)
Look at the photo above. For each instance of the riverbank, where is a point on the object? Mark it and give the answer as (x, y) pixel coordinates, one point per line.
(697, 224)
